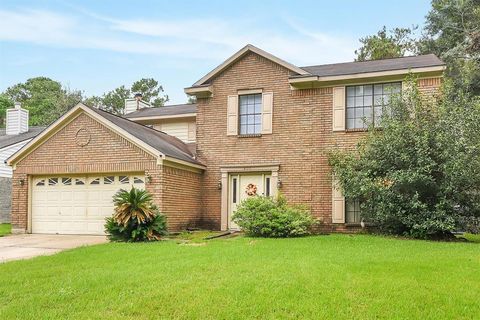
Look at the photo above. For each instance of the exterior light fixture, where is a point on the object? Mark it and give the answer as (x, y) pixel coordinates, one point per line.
(22, 182)
(148, 178)
(279, 183)
(219, 185)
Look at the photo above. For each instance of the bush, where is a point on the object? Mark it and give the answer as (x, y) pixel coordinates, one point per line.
(268, 217)
(418, 176)
(136, 218)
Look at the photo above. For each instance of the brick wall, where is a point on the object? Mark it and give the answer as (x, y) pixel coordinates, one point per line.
(106, 152)
(181, 199)
(5, 199)
(302, 136)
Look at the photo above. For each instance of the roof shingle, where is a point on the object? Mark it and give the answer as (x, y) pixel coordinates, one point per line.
(7, 140)
(172, 110)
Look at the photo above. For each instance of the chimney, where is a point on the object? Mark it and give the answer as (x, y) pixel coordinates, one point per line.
(132, 105)
(17, 120)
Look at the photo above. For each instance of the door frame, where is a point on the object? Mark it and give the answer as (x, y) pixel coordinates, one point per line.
(227, 170)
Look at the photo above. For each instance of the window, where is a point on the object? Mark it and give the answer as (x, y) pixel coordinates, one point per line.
(79, 182)
(137, 180)
(250, 114)
(67, 181)
(352, 211)
(95, 181)
(234, 190)
(267, 186)
(41, 182)
(365, 103)
(52, 181)
(124, 179)
(108, 180)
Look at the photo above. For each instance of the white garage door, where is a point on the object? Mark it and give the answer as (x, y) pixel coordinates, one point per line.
(76, 205)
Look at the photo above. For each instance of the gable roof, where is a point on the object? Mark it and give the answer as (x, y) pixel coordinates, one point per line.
(8, 140)
(239, 54)
(171, 111)
(347, 68)
(153, 141)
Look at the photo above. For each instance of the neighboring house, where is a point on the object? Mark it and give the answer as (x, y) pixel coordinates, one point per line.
(16, 134)
(258, 121)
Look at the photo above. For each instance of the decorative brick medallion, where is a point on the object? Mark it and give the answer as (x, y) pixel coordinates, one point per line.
(82, 137)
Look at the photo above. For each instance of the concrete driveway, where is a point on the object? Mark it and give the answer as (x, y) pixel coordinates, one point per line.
(16, 247)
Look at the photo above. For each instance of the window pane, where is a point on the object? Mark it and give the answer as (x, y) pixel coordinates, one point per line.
(41, 183)
(79, 182)
(52, 181)
(350, 113)
(108, 180)
(367, 100)
(350, 123)
(359, 123)
(350, 91)
(258, 128)
(359, 101)
(123, 179)
(243, 109)
(367, 113)
(358, 112)
(243, 129)
(250, 129)
(367, 90)
(378, 89)
(251, 119)
(350, 101)
(137, 180)
(67, 181)
(359, 91)
(95, 181)
(258, 119)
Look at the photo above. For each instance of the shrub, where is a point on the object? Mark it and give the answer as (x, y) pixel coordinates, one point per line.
(418, 176)
(136, 218)
(268, 217)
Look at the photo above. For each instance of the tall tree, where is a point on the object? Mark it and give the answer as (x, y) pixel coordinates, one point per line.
(45, 99)
(386, 44)
(151, 91)
(5, 103)
(452, 32)
(114, 101)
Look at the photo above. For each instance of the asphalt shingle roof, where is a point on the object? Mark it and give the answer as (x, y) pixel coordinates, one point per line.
(172, 110)
(166, 144)
(7, 140)
(337, 69)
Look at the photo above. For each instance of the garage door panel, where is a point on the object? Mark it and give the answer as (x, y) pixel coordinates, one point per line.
(75, 205)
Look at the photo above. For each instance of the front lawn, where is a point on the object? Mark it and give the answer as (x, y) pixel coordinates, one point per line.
(322, 277)
(5, 228)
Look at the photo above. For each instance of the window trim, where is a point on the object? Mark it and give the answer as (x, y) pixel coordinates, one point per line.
(239, 123)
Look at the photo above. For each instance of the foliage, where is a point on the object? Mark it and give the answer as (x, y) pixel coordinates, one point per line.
(45, 99)
(386, 45)
(114, 101)
(452, 32)
(5, 228)
(5, 103)
(150, 90)
(418, 176)
(268, 217)
(136, 218)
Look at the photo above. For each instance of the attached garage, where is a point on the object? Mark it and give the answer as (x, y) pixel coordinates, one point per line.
(76, 204)
(64, 179)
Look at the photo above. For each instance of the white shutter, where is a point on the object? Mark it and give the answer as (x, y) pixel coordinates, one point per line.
(267, 112)
(338, 120)
(232, 115)
(338, 203)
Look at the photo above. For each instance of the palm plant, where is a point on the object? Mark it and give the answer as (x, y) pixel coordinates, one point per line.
(135, 218)
(135, 204)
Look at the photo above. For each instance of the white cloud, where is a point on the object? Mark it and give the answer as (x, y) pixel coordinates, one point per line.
(212, 39)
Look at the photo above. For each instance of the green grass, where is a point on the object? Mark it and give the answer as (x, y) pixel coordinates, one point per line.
(322, 277)
(471, 237)
(5, 228)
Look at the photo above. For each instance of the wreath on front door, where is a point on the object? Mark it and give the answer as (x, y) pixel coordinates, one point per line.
(251, 189)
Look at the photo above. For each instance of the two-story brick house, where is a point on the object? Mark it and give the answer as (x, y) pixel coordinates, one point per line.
(261, 126)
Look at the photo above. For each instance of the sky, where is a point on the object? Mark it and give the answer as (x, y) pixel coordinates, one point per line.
(98, 45)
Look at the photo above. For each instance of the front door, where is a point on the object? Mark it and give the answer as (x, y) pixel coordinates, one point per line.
(242, 186)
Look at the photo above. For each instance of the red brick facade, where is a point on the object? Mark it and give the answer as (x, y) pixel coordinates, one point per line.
(302, 136)
(106, 152)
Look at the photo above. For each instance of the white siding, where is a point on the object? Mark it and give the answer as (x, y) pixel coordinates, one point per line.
(17, 121)
(178, 129)
(5, 153)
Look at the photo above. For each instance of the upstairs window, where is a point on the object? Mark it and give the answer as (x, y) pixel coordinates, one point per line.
(365, 103)
(250, 114)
